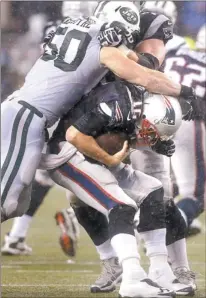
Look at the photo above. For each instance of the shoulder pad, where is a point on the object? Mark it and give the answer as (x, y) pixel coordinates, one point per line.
(154, 25)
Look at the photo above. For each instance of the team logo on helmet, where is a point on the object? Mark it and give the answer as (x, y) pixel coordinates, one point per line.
(168, 32)
(129, 15)
(169, 118)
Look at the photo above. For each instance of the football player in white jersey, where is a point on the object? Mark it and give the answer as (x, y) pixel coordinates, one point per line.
(14, 242)
(189, 67)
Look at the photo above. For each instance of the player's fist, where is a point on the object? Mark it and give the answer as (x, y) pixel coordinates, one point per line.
(118, 157)
(189, 95)
(164, 147)
(49, 36)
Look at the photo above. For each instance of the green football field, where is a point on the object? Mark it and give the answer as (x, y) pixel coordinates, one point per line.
(46, 272)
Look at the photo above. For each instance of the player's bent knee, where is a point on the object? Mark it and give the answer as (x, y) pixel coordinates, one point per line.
(158, 184)
(10, 210)
(94, 222)
(38, 195)
(154, 186)
(152, 212)
(121, 220)
(75, 201)
(175, 223)
(3, 215)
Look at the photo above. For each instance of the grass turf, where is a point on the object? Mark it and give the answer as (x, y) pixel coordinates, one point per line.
(46, 272)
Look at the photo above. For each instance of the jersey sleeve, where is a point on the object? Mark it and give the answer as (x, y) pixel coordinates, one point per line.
(93, 122)
(155, 26)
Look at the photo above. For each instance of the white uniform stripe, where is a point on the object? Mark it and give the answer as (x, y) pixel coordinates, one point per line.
(16, 149)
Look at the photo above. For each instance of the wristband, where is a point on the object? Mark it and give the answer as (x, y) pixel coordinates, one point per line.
(148, 60)
(186, 92)
(124, 49)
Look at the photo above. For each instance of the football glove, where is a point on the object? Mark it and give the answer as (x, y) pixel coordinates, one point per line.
(114, 34)
(49, 36)
(164, 147)
(189, 95)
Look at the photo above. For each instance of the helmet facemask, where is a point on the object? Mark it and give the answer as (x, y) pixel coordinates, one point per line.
(139, 4)
(148, 133)
(159, 120)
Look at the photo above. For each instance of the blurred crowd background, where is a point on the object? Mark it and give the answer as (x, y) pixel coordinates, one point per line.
(22, 24)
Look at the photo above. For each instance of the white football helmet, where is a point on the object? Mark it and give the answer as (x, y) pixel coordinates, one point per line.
(71, 9)
(161, 118)
(139, 4)
(201, 39)
(166, 7)
(124, 12)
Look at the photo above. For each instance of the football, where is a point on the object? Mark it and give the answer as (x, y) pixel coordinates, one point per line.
(112, 142)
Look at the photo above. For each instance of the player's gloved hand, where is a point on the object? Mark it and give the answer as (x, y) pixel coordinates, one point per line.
(189, 95)
(164, 147)
(115, 33)
(49, 36)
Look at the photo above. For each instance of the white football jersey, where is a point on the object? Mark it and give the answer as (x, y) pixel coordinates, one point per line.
(187, 67)
(175, 43)
(69, 68)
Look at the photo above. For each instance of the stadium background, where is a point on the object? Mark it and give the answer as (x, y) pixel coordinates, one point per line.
(46, 273)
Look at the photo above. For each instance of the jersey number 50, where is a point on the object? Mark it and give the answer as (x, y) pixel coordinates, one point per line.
(74, 45)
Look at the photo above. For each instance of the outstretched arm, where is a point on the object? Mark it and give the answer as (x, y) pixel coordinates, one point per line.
(129, 70)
